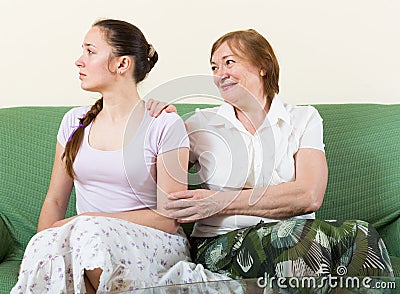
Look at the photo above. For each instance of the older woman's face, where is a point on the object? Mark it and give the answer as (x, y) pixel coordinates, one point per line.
(238, 80)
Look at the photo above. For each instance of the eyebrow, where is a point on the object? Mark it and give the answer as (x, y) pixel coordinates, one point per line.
(224, 57)
(88, 45)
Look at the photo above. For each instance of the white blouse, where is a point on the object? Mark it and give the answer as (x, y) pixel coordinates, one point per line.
(229, 158)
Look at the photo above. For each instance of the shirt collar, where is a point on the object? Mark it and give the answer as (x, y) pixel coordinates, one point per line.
(277, 111)
(225, 116)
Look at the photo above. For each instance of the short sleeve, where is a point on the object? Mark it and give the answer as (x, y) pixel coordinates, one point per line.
(312, 136)
(69, 123)
(193, 124)
(172, 133)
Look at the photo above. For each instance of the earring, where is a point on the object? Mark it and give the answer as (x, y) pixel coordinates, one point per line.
(119, 71)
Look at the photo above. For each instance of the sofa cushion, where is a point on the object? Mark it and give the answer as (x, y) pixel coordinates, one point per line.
(27, 146)
(7, 243)
(363, 154)
(9, 274)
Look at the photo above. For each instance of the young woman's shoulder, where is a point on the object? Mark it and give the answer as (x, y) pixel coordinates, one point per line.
(76, 113)
(167, 132)
(169, 117)
(70, 122)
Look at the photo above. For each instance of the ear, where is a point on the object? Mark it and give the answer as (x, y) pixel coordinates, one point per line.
(263, 72)
(124, 64)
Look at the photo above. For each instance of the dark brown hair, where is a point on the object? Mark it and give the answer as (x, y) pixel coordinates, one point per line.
(252, 46)
(125, 40)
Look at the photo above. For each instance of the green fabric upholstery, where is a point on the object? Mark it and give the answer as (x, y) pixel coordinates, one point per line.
(363, 154)
(362, 148)
(27, 145)
(8, 275)
(396, 264)
(7, 242)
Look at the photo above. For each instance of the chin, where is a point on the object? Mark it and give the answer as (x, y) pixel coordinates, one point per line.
(232, 99)
(87, 88)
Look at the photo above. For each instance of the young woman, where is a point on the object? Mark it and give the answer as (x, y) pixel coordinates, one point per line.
(122, 163)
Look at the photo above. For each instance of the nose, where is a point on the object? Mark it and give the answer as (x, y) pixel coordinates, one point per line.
(222, 71)
(221, 74)
(79, 62)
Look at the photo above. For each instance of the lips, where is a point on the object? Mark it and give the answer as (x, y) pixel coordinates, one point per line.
(227, 86)
(81, 75)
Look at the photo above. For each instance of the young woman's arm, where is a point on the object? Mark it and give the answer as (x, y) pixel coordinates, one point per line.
(58, 194)
(172, 170)
(171, 177)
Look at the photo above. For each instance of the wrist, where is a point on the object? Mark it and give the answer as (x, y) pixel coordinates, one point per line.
(231, 202)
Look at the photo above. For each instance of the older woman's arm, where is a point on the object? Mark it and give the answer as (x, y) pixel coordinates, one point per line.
(304, 195)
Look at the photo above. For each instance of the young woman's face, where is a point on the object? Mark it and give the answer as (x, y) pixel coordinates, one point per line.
(95, 64)
(236, 77)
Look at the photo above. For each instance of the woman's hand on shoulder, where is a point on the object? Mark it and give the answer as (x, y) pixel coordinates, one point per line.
(155, 107)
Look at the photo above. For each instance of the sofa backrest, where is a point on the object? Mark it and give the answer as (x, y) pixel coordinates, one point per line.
(27, 147)
(363, 153)
(362, 144)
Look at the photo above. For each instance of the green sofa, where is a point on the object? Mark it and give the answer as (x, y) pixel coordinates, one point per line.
(362, 148)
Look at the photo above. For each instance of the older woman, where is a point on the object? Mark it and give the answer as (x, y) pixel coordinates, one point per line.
(264, 174)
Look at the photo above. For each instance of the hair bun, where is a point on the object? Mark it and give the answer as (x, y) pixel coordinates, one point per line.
(151, 51)
(152, 57)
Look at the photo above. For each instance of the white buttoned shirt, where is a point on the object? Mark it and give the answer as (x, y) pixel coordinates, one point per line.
(229, 158)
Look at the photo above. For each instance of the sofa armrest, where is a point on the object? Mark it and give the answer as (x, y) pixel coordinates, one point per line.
(7, 242)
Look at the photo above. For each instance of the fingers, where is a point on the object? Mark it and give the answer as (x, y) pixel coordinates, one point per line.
(181, 195)
(179, 204)
(185, 213)
(149, 103)
(188, 220)
(156, 107)
(170, 108)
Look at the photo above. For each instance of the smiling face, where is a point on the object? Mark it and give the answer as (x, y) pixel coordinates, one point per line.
(238, 80)
(96, 63)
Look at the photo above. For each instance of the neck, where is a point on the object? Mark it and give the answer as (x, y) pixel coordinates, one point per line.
(118, 105)
(252, 115)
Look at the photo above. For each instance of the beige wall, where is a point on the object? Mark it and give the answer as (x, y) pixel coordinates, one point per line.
(329, 51)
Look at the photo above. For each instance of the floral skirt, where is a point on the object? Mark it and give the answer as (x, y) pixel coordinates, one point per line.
(296, 248)
(131, 256)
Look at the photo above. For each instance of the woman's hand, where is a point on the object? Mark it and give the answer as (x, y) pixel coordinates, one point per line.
(156, 107)
(191, 205)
